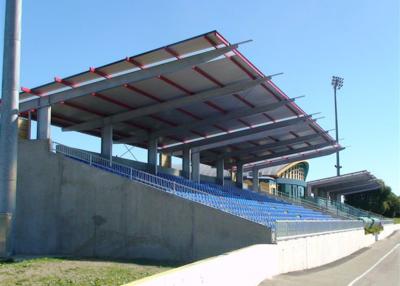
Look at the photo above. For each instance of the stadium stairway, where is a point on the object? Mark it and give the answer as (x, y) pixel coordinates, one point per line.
(246, 204)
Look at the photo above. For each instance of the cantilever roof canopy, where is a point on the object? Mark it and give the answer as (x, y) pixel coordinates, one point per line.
(347, 184)
(187, 93)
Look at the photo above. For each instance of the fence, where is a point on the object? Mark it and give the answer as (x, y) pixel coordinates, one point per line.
(286, 228)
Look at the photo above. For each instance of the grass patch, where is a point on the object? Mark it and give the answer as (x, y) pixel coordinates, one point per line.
(396, 220)
(60, 271)
(374, 229)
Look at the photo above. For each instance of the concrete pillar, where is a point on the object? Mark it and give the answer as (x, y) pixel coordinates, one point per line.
(196, 166)
(339, 198)
(309, 191)
(43, 123)
(152, 156)
(239, 175)
(186, 163)
(165, 160)
(220, 171)
(107, 141)
(255, 179)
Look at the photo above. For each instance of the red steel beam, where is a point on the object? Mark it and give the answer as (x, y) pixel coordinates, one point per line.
(215, 81)
(64, 82)
(99, 73)
(241, 56)
(176, 85)
(30, 91)
(244, 70)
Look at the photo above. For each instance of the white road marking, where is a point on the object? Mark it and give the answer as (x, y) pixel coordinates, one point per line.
(373, 266)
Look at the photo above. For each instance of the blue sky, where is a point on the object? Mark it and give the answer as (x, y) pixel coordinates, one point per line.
(307, 40)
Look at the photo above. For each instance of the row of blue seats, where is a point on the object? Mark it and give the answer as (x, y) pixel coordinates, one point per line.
(257, 202)
(243, 203)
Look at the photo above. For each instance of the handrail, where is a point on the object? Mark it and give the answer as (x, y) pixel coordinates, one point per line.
(343, 206)
(313, 205)
(149, 179)
(337, 209)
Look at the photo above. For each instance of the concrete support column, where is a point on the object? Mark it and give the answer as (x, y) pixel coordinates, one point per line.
(196, 166)
(255, 179)
(309, 191)
(152, 155)
(339, 198)
(220, 171)
(107, 141)
(165, 160)
(239, 175)
(43, 123)
(186, 163)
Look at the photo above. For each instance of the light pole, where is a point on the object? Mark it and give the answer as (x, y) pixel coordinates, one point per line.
(9, 122)
(337, 83)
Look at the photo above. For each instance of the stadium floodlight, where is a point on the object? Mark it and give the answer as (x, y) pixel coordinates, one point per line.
(337, 83)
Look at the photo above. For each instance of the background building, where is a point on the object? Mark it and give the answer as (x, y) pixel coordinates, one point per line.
(288, 178)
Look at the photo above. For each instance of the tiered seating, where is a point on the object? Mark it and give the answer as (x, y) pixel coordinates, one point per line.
(247, 204)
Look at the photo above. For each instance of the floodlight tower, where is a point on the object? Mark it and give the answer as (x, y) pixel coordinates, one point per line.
(337, 83)
(9, 123)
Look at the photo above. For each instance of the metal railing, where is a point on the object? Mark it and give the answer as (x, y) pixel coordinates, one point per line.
(287, 229)
(336, 209)
(340, 207)
(312, 205)
(214, 201)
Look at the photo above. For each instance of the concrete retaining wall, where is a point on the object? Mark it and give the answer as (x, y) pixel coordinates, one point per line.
(316, 250)
(251, 265)
(66, 207)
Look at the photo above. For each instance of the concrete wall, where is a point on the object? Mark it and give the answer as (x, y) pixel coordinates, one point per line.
(251, 265)
(66, 207)
(316, 250)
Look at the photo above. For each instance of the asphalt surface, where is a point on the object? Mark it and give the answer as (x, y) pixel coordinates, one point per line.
(375, 265)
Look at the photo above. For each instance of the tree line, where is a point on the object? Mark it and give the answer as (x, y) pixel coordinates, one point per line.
(381, 201)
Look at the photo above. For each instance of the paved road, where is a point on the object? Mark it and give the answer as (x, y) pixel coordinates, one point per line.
(376, 265)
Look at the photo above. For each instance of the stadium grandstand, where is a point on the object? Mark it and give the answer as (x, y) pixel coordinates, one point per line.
(202, 101)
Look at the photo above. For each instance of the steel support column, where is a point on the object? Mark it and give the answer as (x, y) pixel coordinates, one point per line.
(239, 175)
(220, 172)
(9, 122)
(107, 141)
(196, 167)
(43, 123)
(255, 179)
(152, 155)
(186, 163)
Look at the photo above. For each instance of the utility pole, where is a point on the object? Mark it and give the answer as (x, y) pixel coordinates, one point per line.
(337, 83)
(9, 123)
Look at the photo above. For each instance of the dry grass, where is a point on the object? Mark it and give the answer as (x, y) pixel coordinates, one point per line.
(57, 271)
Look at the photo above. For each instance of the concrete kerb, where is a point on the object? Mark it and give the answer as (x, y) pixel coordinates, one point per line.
(253, 264)
(247, 266)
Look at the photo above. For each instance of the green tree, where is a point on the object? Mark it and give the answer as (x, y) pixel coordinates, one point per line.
(382, 201)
